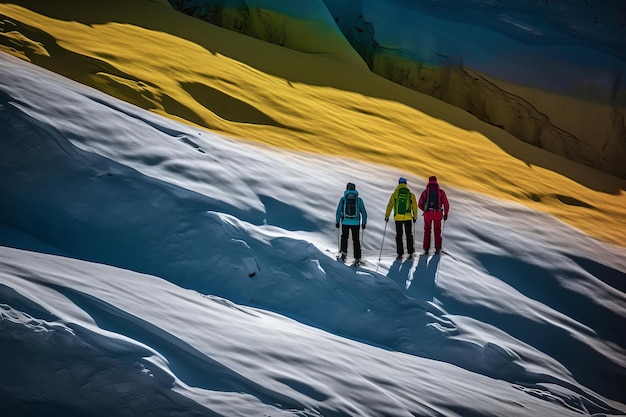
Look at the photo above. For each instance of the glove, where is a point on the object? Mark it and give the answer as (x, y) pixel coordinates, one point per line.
(414, 219)
(445, 217)
(386, 219)
(337, 225)
(363, 226)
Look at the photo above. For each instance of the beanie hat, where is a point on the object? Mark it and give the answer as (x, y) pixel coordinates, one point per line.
(402, 181)
(432, 179)
(350, 186)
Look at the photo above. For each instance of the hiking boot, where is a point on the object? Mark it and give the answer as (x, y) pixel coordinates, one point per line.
(425, 251)
(437, 251)
(343, 257)
(399, 256)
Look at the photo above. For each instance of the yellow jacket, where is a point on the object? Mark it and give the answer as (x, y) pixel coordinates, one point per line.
(411, 212)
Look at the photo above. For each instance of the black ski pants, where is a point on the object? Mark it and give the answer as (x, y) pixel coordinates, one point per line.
(407, 226)
(356, 239)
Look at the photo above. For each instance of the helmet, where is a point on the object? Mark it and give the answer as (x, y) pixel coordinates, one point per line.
(402, 180)
(350, 186)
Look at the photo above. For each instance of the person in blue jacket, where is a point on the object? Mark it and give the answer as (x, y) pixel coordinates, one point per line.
(350, 214)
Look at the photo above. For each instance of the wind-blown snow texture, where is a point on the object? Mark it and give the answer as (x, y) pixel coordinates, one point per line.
(148, 267)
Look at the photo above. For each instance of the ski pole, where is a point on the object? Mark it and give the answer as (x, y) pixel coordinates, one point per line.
(381, 246)
(361, 234)
(339, 239)
(443, 226)
(413, 232)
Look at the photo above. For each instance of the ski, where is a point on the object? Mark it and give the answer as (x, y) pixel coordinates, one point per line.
(407, 257)
(354, 263)
(435, 253)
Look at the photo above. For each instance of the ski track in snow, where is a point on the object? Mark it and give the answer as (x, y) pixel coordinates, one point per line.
(243, 308)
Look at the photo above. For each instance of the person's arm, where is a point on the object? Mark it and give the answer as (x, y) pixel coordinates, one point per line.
(446, 204)
(339, 211)
(414, 207)
(363, 212)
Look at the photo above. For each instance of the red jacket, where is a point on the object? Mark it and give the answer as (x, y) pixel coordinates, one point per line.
(442, 198)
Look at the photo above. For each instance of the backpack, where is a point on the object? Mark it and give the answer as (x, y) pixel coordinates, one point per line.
(432, 201)
(403, 201)
(350, 209)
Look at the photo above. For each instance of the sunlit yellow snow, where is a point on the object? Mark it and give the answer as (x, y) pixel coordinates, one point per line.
(146, 53)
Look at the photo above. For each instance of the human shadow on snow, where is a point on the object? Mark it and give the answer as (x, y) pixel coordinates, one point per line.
(416, 277)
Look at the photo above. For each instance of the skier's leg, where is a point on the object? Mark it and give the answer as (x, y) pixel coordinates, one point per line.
(408, 229)
(427, 230)
(437, 221)
(399, 244)
(344, 240)
(356, 240)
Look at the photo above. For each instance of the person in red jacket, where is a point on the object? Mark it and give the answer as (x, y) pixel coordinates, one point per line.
(434, 203)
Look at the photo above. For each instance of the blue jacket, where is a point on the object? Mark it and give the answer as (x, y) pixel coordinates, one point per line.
(361, 213)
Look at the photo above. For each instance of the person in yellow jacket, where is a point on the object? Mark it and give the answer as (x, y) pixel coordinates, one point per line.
(404, 206)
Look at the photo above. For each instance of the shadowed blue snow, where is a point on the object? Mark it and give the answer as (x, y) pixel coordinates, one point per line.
(163, 269)
(562, 46)
(573, 47)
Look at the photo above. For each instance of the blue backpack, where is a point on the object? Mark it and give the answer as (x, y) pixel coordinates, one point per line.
(350, 206)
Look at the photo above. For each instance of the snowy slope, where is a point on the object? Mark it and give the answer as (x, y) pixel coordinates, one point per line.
(161, 268)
